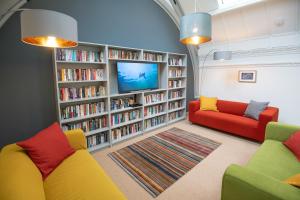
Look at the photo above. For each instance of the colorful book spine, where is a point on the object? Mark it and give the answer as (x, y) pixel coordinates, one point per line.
(176, 61)
(175, 94)
(175, 83)
(153, 110)
(121, 103)
(154, 121)
(175, 115)
(118, 133)
(74, 55)
(123, 54)
(124, 117)
(81, 93)
(152, 98)
(97, 139)
(173, 73)
(175, 104)
(153, 57)
(88, 74)
(87, 125)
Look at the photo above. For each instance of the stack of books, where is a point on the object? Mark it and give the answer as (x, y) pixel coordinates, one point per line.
(175, 94)
(81, 110)
(154, 121)
(173, 73)
(175, 61)
(75, 55)
(82, 92)
(118, 133)
(97, 139)
(123, 54)
(80, 74)
(175, 104)
(175, 83)
(175, 115)
(87, 125)
(153, 57)
(152, 98)
(152, 110)
(117, 104)
(125, 117)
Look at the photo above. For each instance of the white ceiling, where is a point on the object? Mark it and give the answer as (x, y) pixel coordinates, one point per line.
(257, 18)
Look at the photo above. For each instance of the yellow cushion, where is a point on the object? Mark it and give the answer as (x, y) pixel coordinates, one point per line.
(208, 103)
(294, 180)
(80, 177)
(76, 139)
(19, 177)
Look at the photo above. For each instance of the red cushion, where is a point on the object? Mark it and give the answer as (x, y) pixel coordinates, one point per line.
(293, 144)
(232, 107)
(48, 148)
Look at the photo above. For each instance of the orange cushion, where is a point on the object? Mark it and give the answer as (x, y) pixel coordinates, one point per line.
(294, 180)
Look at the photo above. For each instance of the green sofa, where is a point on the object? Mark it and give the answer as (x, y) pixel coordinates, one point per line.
(261, 178)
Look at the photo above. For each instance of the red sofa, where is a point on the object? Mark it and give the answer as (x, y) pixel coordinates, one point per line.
(230, 118)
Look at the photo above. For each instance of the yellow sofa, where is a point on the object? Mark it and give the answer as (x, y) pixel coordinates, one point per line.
(79, 177)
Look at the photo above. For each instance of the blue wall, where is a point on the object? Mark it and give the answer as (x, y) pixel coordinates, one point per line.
(26, 75)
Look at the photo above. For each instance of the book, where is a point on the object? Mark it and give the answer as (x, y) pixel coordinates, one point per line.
(123, 54)
(88, 74)
(87, 125)
(118, 133)
(156, 97)
(73, 93)
(77, 55)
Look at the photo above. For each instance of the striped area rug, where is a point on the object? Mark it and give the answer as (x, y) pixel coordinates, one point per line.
(159, 161)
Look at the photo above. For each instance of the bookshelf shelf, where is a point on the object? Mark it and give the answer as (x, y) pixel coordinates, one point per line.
(124, 109)
(64, 121)
(71, 82)
(101, 60)
(82, 100)
(100, 130)
(155, 115)
(126, 123)
(79, 62)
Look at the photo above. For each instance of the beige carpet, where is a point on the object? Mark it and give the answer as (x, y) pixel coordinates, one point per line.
(202, 182)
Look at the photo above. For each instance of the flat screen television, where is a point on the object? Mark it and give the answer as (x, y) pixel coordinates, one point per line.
(137, 76)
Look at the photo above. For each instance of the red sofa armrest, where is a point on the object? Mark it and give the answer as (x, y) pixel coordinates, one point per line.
(194, 106)
(268, 115)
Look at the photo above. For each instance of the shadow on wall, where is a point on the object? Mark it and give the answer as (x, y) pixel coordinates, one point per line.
(26, 75)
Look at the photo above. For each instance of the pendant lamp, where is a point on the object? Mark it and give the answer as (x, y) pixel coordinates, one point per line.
(195, 28)
(48, 28)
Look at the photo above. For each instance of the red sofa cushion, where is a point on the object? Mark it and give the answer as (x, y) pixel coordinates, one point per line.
(227, 122)
(293, 144)
(232, 107)
(48, 148)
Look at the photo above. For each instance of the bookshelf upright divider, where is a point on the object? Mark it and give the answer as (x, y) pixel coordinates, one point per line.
(88, 98)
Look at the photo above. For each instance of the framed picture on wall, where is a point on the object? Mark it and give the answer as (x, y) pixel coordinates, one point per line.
(247, 76)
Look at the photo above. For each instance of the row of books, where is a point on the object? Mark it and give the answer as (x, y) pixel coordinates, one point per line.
(122, 103)
(156, 97)
(176, 61)
(154, 121)
(80, 74)
(87, 125)
(82, 92)
(175, 83)
(81, 110)
(153, 57)
(175, 94)
(175, 115)
(152, 110)
(175, 73)
(175, 104)
(97, 139)
(118, 133)
(76, 55)
(125, 117)
(123, 54)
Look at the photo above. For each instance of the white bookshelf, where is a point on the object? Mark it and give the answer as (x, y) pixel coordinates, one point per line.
(109, 80)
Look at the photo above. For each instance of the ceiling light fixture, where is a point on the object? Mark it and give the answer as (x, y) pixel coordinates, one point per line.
(195, 28)
(48, 28)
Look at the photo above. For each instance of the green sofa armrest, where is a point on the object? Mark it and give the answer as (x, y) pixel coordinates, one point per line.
(76, 139)
(242, 183)
(280, 132)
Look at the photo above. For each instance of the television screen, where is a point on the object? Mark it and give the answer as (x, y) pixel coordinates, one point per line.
(137, 76)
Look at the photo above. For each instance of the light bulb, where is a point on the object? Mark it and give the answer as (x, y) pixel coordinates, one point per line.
(195, 39)
(195, 30)
(51, 42)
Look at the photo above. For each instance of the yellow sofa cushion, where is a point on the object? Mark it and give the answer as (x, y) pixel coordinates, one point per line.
(19, 177)
(208, 103)
(294, 180)
(80, 177)
(76, 139)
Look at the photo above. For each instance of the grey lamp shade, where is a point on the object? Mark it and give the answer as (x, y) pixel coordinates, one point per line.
(48, 28)
(195, 28)
(222, 55)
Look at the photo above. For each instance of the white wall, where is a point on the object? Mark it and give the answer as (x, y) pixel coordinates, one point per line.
(277, 61)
